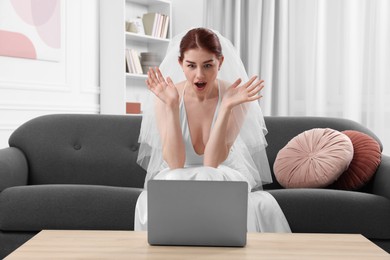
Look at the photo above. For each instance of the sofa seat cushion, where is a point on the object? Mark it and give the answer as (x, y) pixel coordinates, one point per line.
(37, 207)
(335, 211)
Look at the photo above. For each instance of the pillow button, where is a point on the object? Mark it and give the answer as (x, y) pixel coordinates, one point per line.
(77, 147)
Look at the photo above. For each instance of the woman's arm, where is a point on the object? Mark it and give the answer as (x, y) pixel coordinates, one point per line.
(217, 148)
(168, 121)
(171, 136)
(219, 143)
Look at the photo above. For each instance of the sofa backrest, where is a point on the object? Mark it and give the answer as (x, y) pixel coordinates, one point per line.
(282, 129)
(102, 149)
(81, 149)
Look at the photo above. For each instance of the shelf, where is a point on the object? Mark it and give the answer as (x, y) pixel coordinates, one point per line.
(149, 2)
(118, 87)
(136, 76)
(145, 38)
(136, 115)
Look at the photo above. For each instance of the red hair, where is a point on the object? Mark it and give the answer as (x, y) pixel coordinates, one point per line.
(200, 38)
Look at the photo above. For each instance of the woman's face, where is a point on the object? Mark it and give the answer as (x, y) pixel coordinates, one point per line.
(201, 69)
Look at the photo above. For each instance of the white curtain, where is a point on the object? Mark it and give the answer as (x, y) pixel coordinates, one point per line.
(318, 57)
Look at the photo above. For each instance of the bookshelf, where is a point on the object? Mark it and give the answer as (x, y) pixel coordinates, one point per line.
(119, 86)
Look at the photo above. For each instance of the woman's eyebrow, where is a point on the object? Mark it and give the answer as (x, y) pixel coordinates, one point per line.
(207, 61)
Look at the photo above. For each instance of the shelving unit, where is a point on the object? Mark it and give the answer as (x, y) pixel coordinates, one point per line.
(117, 86)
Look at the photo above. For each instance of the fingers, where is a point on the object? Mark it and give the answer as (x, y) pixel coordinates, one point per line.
(236, 83)
(160, 76)
(155, 81)
(170, 82)
(155, 77)
(250, 81)
(249, 84)
(254, 89)
(149, 81)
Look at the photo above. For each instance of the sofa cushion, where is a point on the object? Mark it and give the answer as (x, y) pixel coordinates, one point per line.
(281, 129)
(37, 207)
(335, 211)
(313, 159)
(366, 159)
(81, 149)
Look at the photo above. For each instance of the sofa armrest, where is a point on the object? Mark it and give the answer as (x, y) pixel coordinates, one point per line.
(381, 182)
(13, 168)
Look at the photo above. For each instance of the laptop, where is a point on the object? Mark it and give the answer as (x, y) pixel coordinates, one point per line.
(197, 213)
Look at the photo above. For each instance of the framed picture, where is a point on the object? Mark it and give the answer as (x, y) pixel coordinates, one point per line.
(30, 29)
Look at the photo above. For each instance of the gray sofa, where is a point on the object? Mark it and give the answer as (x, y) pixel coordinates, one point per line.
(80, 172)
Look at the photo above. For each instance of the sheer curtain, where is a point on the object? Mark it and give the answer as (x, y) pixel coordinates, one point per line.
(318, 57)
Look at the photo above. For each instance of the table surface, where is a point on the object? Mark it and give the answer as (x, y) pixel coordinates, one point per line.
(77, 244)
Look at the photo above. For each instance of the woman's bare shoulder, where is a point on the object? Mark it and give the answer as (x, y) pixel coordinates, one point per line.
(224, 83)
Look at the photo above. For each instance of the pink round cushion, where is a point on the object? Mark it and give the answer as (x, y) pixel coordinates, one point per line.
(366, 159)
(313, 159)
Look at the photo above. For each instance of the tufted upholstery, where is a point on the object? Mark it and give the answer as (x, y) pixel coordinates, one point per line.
(81, 149)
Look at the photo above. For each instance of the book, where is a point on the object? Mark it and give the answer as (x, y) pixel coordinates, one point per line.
(159, 25)
(164, 33)
(156, 24)
(129, 61)
(133, 63)
(150, 21)
(137, 62)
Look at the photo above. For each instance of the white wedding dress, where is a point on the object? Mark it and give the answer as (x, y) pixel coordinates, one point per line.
(264, 213)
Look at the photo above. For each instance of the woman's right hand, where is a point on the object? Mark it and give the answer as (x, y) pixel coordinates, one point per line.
(165, 90)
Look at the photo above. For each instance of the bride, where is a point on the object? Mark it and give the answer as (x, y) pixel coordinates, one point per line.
(203, 122)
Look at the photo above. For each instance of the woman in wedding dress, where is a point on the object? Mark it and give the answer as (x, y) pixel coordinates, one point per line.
(203, 122)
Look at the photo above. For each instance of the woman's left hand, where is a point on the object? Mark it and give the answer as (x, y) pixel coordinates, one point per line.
(236, 94)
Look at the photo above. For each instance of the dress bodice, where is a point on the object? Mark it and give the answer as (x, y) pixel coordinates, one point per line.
(192, 158)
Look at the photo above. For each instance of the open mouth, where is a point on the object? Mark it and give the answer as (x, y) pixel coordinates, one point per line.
(200, 85)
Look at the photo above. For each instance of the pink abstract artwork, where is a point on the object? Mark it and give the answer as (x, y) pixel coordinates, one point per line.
(16, 45)
(30, 29)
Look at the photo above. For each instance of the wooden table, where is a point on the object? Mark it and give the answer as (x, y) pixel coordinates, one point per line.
(57, 244)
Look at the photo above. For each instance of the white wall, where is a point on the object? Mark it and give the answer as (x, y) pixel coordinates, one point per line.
(187, 14)
(30, 88)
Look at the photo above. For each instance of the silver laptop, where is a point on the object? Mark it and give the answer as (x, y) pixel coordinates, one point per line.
(197, 213)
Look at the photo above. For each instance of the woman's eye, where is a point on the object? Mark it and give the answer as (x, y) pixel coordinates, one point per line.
(208, 66)
(191, 66)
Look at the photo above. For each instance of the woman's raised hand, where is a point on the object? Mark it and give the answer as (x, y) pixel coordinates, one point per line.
(236, 94)
(165, 90)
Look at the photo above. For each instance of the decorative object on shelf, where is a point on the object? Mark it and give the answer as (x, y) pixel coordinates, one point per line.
(135, 26)
(148, 60)
(133, 108)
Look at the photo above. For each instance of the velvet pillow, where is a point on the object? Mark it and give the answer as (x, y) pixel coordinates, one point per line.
(366, 159)
(313, 159)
